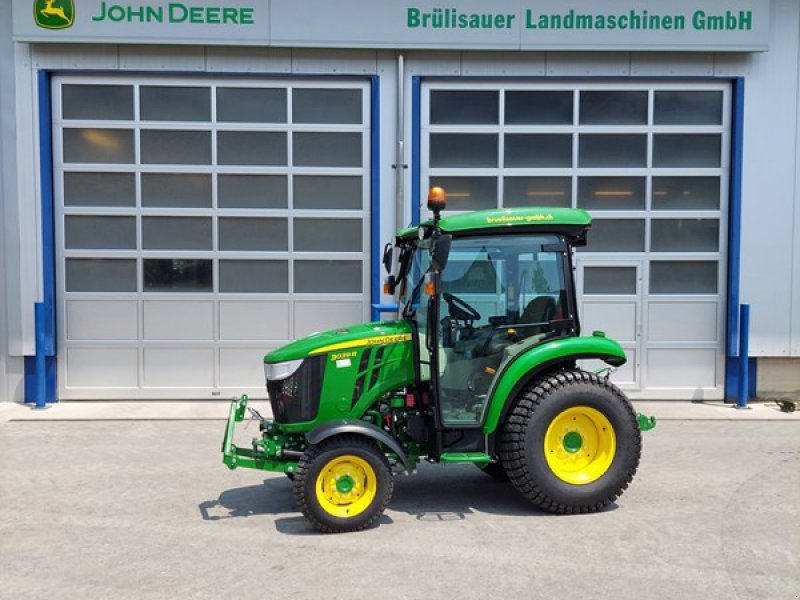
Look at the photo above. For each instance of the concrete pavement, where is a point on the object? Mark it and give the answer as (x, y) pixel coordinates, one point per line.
(145, 510)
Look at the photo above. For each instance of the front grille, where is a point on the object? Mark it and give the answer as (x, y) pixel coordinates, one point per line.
(296, 398)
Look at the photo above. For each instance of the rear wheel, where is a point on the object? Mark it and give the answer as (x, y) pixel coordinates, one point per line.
(343, 484)
(571, 443)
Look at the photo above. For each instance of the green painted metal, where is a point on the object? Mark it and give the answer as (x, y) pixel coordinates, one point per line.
(550, 352)
(356, 378)
(573, 441)
(477, 458)
(344, 485)
(544, 218)
(234, 457)
(646, 423)
(376, 333)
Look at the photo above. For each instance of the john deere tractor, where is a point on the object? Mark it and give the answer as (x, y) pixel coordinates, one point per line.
(482, 367)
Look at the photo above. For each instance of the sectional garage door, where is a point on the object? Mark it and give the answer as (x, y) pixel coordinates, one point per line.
(650, 162)
(200, 223)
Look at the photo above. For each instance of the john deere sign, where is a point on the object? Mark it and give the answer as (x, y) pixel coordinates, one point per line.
(54, 14)
(635, 25)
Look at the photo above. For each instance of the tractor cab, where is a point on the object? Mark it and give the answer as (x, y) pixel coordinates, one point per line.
(481, 288)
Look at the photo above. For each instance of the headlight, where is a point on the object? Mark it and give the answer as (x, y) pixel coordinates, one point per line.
(279, 371)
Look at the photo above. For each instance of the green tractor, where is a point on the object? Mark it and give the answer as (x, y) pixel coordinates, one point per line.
(481, 368)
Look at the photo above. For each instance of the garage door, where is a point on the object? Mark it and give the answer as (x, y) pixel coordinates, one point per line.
(650, 162)
(200, 223)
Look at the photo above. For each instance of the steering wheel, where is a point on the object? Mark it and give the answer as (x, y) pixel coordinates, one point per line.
(460, 309)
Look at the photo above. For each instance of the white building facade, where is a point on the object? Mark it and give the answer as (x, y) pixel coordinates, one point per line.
(187, 185)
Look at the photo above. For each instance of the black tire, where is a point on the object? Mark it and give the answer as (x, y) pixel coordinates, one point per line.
(495, 470)
(523, 442)
(337, 454)
(289, 476)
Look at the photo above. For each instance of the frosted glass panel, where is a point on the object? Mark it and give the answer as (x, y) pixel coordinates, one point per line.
(242, 105)
(176, 233)
(687, 150)
(166, 103)
(327, 149)
(161, 146)
(100, 275)
(686, 193)
(172, 190)
(97, 102)
(266, 148)
(254, 276)
(685, 235)
(464, 107)
(688, 108)
(325, 192)
(532, 151)
(328, 276)
(615, 235)
(539, 108)
(463, 150)
(537, 191)
(252, 191)
(613, 108)
(326, 106)
(327, 235)
(468, 193)
(98, 146)
(245, 233)
(624, 151)
(611, 193)
(609, 280)
(99, 189)
(177, 275)
(673, 277)
(90, 232)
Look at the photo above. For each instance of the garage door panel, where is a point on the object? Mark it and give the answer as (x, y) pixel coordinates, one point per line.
(102, 320)
(253, 320)
(178, 367)
(683, 322)
(681, 368)
(311, 317)
(242, 367)
(616, 319)
(102, 367)
(178, 320)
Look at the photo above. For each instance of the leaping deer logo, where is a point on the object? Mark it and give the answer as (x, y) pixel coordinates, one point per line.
(54, 14)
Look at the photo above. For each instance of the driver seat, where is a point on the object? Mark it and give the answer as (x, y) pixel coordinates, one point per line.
(539, 310)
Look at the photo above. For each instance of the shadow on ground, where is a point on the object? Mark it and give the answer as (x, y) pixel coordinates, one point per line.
(435, 493)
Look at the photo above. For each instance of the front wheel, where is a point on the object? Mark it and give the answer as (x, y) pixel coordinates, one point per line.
(571, 443)
(343, 484)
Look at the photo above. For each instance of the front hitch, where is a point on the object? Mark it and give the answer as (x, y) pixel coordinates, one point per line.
(266, 454)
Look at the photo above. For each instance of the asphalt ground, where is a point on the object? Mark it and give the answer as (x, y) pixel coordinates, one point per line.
(145, 509)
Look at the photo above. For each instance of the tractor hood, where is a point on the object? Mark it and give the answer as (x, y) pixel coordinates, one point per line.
(379, 333)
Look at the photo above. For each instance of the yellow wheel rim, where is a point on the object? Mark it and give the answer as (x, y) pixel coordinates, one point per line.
(346, 486)
(580, 445)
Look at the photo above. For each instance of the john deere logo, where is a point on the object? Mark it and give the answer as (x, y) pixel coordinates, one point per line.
(54, 14)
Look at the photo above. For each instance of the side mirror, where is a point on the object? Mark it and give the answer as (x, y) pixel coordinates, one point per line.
(387, 257)
(440, 251)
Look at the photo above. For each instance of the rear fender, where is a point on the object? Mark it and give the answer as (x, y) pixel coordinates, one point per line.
(332, 428)
(539, 359)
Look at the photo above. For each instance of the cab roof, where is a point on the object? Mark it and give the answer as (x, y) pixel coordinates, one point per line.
(570, 221)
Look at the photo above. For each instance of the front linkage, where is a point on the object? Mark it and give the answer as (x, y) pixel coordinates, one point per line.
(273, 452)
